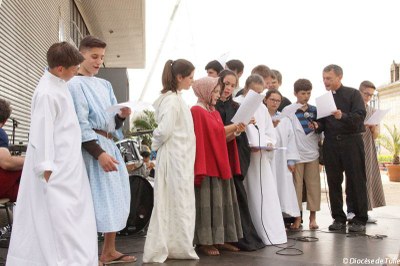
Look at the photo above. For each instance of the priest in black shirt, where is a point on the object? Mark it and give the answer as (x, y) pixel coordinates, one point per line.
(343, 150)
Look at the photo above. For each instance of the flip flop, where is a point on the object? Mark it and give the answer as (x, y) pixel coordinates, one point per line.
(120, 260)
(298, 229)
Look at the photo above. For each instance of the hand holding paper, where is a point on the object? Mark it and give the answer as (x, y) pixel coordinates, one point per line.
(135, 106)
(125, 112)
(117, 107)
(248, 107)
(325, 105)
(288, 111)
(376, 117)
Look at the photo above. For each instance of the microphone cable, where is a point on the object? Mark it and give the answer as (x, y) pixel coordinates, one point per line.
(326, 190)
(281, 249)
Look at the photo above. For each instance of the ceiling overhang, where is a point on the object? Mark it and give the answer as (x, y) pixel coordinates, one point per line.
(121, 24)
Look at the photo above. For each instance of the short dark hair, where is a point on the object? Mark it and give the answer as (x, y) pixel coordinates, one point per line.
(214, 65)
(337, 69)
(63, 54)
(235, 65)
(367, 84)
(145, 154)
(91, 42)
(302, 85)
(272, 91)
(262, 70)
(277, 75)
(5, 110)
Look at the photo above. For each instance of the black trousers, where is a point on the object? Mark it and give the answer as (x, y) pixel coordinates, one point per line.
(346, 154)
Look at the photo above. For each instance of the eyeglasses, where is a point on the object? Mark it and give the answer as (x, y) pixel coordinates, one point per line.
(368, 94)
(274, 100)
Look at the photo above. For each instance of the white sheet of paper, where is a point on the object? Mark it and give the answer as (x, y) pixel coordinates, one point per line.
(136, 106)
(325, 105)
(268, 148)
(288, 111)
(376, 117)
(248, 107)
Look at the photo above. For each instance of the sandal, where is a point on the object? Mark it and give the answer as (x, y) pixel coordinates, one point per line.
(295, 229)
(121, 259)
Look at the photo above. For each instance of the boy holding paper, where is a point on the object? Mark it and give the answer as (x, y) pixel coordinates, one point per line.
(108, 176)
(376, 196)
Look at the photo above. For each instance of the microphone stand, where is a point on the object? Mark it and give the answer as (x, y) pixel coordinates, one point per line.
(15, 125)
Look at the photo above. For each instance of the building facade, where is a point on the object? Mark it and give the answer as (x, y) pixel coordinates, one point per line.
(29, 28)
(389, 98)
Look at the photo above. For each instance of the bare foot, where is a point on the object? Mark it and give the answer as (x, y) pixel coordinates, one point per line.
(227, 247)
(296, 224)
(313, 221)
(116, 257)
(209, 250)
(313, 225)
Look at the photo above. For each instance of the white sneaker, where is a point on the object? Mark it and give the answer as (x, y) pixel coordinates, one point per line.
(350, 216)
(5, 232)
(371, 220)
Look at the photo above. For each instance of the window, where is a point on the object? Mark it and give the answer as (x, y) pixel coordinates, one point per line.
(78, 25)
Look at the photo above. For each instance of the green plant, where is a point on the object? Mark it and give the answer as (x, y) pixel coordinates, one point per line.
(383, 158)
(146, 121)
(391, 142)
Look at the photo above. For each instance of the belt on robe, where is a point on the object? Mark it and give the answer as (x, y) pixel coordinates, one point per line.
(346, 136)
(103, 133)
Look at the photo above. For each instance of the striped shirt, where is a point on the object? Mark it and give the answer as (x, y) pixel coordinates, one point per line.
(312, 110)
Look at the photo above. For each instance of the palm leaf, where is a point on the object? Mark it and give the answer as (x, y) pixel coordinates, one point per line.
(146, 121)
(391, 142)
(141, 124)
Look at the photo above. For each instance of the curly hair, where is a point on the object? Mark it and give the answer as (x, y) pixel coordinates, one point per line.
(302, 85)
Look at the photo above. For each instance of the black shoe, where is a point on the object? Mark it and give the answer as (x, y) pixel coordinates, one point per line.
(336, 226)
(356, 227)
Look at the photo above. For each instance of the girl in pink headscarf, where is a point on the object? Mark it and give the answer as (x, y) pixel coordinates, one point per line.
(217, 212)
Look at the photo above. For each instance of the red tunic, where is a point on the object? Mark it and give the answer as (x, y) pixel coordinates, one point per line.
(212, 157)
(9, 181)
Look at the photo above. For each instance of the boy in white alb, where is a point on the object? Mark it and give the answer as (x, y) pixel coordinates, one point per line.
(54, 219)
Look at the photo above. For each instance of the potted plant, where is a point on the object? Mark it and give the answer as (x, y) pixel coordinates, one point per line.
(391, 142)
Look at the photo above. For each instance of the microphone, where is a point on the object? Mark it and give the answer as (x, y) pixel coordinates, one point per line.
(15, 122)
(255, 125)
(307, 116)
